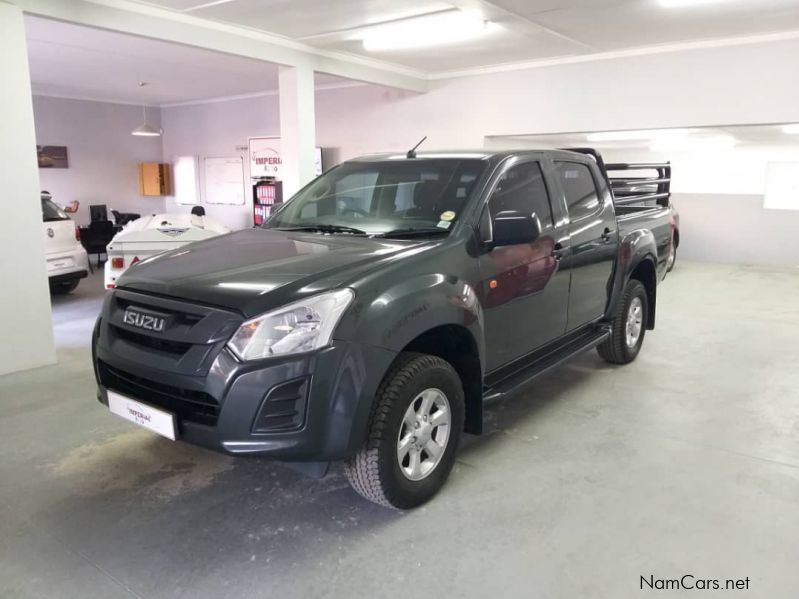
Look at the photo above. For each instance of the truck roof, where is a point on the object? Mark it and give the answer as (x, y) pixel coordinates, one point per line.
(464, 154)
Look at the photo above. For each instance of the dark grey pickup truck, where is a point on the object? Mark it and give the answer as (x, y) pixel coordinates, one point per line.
(377, 310)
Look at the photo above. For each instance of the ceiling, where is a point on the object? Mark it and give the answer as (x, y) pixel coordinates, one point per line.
(529, 29)
(76, 61)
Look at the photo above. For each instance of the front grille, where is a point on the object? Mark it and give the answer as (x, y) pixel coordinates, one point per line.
(179, 316)
(186, 344)
(187, 405)
(176, 348)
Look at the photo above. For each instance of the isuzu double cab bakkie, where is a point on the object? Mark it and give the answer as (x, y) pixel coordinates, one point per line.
(370, 318)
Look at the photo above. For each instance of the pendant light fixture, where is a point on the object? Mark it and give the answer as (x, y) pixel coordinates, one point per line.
(145, 130)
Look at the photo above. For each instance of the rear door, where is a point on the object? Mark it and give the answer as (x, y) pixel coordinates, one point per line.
(594, 240)
(525, 293)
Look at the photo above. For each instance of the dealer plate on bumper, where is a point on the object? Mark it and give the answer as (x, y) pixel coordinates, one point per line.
(59, 264)
(149, 417)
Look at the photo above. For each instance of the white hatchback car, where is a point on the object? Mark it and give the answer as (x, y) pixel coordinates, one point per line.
(152, 235)
(67, 262)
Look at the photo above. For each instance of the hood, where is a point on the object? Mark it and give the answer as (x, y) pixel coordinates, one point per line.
(255, 270)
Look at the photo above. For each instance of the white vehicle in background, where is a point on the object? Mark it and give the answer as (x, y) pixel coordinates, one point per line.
(67, 262)
(152, 235)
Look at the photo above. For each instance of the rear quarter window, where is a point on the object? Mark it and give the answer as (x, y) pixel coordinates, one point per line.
(579, 187)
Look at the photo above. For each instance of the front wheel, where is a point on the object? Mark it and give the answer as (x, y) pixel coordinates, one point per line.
(628, 326)
(413, 433)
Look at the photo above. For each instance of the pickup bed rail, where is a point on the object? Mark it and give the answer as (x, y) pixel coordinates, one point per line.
(648, 181)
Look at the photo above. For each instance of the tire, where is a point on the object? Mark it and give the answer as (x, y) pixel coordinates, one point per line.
(377, 472)
(64, 288)
(616, 349)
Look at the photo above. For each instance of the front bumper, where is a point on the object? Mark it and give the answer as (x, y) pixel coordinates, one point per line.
(310, 407)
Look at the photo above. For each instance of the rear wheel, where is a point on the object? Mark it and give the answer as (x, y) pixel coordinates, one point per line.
(628, 326)
(413, 433)
(66, 287)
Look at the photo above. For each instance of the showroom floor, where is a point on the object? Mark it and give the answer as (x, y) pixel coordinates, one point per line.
(684, 462)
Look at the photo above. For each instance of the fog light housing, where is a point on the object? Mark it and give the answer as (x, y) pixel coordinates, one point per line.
(283, 407)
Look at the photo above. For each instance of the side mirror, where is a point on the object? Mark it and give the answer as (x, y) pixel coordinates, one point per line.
(511, 227)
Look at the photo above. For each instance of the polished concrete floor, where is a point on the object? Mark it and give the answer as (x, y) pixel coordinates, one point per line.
(684, 462)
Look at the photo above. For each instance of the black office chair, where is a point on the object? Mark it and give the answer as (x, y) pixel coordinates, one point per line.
(123, 218)
(99, 234)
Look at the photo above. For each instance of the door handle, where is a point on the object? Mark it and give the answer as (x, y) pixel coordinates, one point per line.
(557, 251)
(605, 237)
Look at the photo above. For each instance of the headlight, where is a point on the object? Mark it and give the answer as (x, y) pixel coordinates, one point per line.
(299, 327)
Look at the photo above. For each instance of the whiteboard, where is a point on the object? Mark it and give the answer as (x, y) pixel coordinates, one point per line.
(224, 180)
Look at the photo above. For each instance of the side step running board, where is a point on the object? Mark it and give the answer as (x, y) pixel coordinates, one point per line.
(545, 363)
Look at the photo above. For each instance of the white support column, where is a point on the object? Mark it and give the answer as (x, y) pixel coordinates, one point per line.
(297, 127)
(26, 329)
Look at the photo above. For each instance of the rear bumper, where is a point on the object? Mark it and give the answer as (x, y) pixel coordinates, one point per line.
(310, 407)
(68, 277)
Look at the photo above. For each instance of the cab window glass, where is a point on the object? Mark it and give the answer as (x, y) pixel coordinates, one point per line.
(522, 188)
(579, 188)
(382, 196)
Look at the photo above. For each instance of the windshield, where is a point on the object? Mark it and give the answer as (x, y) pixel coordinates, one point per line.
(51, 212)
(383, 198)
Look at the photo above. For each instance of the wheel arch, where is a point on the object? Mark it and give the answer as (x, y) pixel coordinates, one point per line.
(646, 273)
(456, 345)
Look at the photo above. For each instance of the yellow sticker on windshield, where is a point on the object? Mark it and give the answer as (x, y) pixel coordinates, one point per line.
(448, 215)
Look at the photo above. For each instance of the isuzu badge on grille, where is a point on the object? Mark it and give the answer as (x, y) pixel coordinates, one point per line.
(144, 321)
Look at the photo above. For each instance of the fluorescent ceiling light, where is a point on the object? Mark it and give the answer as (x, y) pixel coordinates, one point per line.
(441, 29)
(792, 129)
(686, 3)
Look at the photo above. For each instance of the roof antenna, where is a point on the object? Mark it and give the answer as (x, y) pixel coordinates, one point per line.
(412, 152)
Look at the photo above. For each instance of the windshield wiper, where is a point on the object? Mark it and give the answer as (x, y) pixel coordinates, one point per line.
(324, 229)
(413, 232)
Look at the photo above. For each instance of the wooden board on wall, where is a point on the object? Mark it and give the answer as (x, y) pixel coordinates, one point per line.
(154, 179)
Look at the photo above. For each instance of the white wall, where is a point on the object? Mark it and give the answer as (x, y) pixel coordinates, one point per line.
(719, 194)
(27, 336)
(103, 155)
(735, 229)
(744, 84)
(716, 86)
(219, 129)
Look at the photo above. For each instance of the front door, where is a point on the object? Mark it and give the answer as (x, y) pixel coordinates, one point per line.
(525, 293)
(594, 241)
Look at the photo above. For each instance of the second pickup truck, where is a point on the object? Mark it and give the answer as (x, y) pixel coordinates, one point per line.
(373, 314)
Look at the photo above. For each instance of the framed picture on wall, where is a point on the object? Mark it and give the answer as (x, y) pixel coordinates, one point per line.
(265, 158)
(52, 156)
